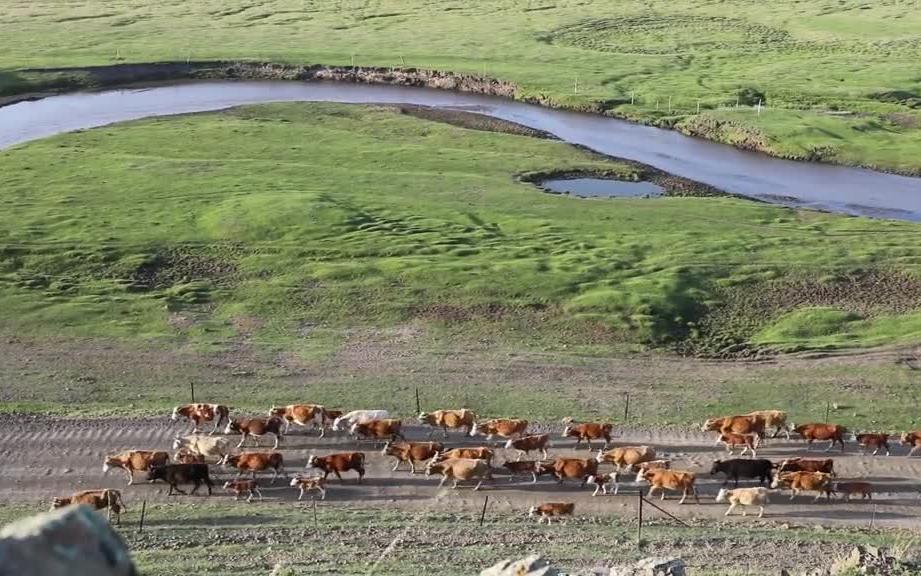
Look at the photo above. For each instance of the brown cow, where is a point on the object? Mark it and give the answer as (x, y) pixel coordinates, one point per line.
(186, 456)
(826, 465)
(589, 431)
(873, 440)
(533, 467)
(776, 419)
(240, 487)
(103, 499)
(663, 480)
(748, 442)
(135, 461)
(308, 483)
(551, 509)
(848, 489)
(460, 469)
(643, 467)
(453, 419)
(303, 415)
(574, 468)
(199, 413)
(525, 444)
(813, 432)
(256, 428)
(388, 428)
(478, 453)
(626, 456)
(412, 452)
(601, 482)
(502, 427)
(736, 425)
(339, 463)
(253, 462)
(912, 439)
(819, 482)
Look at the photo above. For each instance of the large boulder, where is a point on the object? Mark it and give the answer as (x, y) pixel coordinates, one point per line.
(653, 567)
(530, 566)
(71, 541)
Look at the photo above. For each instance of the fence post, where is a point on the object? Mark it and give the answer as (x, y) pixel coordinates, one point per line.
(143, 513)
(483, 512)
(316, 524)
(698, 105)
(418, 404)
(632, 97)
(669, 104)
(827, 408)
(639, 519)
(626, 406)
(192, 388)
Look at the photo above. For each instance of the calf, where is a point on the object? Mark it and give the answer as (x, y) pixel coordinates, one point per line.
(601, 482)
(626, 456)
(826, 465)
(574, 468)
(663, 480)
(912, 439)
(876, 441)
(207, 446)
(255, 428)
(550, 510)
(412, 452)
(819, 482)
(308, 483)
(198, 413)
(460, 469)
(344, 421)
(378, 429)
(742, 468)
(175, 474)
(339, 463)
(643, 467)
(135, 461)
(745, 497)
(749, 442)
(478, 453)
(848, 489)
(453, 419)
(776, 419)
(533, 467)
(303, 415)
(813, 432)
(589, 431)
(253, 462)
(186, 456)
(241, 487)
(104, 499)
(502, 427)
(526, 444)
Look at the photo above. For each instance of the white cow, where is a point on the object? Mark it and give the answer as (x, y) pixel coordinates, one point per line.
(357, 417)
(207, 446)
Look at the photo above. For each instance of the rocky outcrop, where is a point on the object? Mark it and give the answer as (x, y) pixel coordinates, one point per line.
(530, 566)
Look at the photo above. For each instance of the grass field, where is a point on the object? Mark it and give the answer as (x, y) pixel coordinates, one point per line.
(839, 77)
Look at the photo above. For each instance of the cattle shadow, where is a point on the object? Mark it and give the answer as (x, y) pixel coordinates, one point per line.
(830, 513)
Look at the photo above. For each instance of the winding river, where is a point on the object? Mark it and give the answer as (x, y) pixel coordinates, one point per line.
(821, 186)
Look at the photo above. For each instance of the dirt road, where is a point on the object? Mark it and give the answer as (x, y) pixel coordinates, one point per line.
(45, 456)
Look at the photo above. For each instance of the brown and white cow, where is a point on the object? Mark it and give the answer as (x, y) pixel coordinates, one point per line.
(776, 419)
(102, 499)
(748, 442)
(574, 469)
(589, 431)
(876, 440)
(186, 456)
(476, 453)
(459, 470)
(239, 487)
(387, 429)
(819, 482)
(207, 446)
(133, 461)
(674, 480)
(198, 413)
(912, 439)
(303, 415)
(307, 483)
(643, 467)
(602, 481)
(826, 465)
(412, 452)
(450, 419)
(256, 428)
(339, 463)
(550, 510)
(253, 462)
(816, 431)
(502, 427)
(526, 444)
(736, 425)
(626, 456)
(524, 467)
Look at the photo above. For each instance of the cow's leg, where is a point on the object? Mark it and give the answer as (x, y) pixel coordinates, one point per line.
(533, 477)
(274, 475)
(808, 444)
(478, 484)
(830, 446)
(301, 495)
(242, 440)
(597, 488)
(322, 492)
(195, 486)
(795, 494)
(520, 454)
(454, 487)
(651, 490)
(684, 495)
(913, 449)
(176, 488)
(732, 507)
(886, 445)
(444, 478)
(130, 474)
(589, 442)
(412, 466)
(544, 452)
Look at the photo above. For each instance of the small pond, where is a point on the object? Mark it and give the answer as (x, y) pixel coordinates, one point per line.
(600, 188)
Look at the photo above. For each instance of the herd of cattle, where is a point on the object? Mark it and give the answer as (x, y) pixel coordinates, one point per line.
(197, 452)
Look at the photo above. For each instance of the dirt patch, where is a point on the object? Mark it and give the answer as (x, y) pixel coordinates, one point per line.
(472, 121)
(182, 264)
(674, 186)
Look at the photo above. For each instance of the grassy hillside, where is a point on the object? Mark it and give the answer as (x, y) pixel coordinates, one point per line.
(839, 77)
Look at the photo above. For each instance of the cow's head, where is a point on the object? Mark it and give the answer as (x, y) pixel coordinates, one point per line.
(721, 495)
(532, 511)
(567, 431)
(229, 460)
(780, 479)
(337, 423)
(594, 480)
(389, 449)
(905, 438)
(717, 466)
(433, 467)
(642, 475)
(426, 418)
(312, 462)
(229, 484)
(479, 428)
(295, 481)
(109, 463)
(177, 412)
(156, 473)
(177, 443)
(232, 426)
(599, 458)
(276, 411)
(712, 424)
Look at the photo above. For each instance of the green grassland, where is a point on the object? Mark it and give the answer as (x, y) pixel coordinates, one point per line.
(840, 77)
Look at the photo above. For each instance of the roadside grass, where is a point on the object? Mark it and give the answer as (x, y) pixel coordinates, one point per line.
(840, 81)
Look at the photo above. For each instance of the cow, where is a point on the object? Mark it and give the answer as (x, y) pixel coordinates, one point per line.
(103, 499)
(758, 496)
(207, 446)
(411, 452)
(776, 419)
(663, 480)
(175, 474)
(912, 439)
(460, 469)
(135, 461)
(736, 425)
(533, 467)
(378, 429)
(813, 432)
(601, 482)
(826, 465)
(574, 468)
(502, 427)
(346, 420)
(875, 440)
(749, 442)
(339, 463)
(240, 487)
(186, 456)
(848, 489)
(253, 462)
(819, 482)
(550, 509)
(642, 467)
(626, 456)
(526, 444)
(589, 431)
(308, 483)
(742, 468)
(478, 453)
(453, 419)
(303, 415)
(198, 413)
(256, 428)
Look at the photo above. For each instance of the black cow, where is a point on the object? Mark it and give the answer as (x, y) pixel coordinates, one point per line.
(743, 468)
(174, 474)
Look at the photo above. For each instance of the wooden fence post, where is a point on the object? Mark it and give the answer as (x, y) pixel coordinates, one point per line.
(626, 406)
(827, 408)
(639, 519)
(483, 512)
(316, 524)
(192, 388)
(418, 404)
(143, 513)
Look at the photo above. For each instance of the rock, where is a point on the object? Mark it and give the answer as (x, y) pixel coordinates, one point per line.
(653, 567)
(531, 566)
(71, 541)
